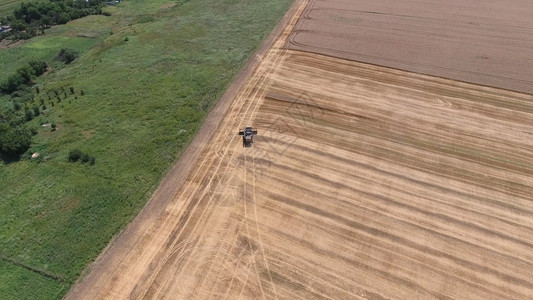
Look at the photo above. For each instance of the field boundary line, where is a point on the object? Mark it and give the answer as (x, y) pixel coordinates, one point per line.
(33, 269)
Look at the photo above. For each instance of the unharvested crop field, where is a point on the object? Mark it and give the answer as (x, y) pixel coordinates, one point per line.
(488, 43)
(364, 182)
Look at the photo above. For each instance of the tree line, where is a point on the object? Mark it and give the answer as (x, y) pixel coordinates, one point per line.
(32, 18)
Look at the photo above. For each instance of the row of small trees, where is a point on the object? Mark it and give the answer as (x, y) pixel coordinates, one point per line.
(15, 136)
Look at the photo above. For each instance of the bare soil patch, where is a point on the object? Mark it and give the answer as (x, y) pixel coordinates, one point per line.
(5, 44)
(168, 5)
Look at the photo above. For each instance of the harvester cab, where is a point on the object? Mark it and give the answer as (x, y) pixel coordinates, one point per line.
(247, 136)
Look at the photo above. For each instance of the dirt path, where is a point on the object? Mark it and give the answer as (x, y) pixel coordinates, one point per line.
(364, 182)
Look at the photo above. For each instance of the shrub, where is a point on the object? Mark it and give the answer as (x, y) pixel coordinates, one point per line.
(28, 115)
(13, 83)
(63, 18)
(67, 55)
(74, 155)
(27, 73)
(14, 140)
(85, 158)
(39, 67)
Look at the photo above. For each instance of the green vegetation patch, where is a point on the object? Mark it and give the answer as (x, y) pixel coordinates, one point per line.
(7, 6)
(140, 92)
(40, 48)
(32, 18)
(13, 58)
(58, 42)
(18, 282)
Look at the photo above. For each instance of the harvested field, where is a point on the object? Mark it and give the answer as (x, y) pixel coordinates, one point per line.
(364, 182)
(488, 43)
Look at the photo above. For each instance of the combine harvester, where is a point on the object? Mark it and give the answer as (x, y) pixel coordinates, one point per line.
(247, 136)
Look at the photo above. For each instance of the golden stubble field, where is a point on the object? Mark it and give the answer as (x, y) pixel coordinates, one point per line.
(364, 182)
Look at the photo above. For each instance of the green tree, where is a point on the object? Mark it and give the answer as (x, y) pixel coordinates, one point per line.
(14, 140)
(28, 115)
(46, 22)
(38, 66)
(18, 25)
(27, 73)
(13, 83)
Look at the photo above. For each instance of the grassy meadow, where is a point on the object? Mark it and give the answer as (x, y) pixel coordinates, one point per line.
(7, 6)
(146, 78)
